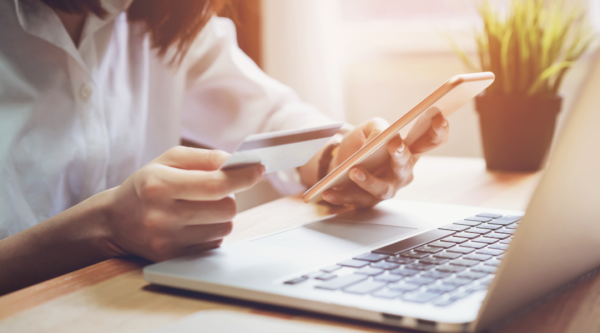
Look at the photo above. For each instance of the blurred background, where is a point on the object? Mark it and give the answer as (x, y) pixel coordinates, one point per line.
(358, 59)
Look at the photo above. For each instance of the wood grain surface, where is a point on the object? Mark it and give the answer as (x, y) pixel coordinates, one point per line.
(112, 296)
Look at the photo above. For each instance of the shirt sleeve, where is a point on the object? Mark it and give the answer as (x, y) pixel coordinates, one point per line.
(228, 97)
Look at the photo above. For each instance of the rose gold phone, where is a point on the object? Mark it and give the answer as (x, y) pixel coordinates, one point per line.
(446, 99)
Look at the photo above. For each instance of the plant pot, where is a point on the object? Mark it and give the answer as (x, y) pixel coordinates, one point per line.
(516, 131)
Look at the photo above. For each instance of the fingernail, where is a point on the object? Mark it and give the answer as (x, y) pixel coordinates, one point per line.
(328, 196)
(445, 123)
(359, 175)
(400, 149)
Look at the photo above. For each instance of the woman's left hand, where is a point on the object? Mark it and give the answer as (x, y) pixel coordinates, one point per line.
(369, 189)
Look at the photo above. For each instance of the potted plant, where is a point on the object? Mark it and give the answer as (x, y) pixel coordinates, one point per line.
(529, 47)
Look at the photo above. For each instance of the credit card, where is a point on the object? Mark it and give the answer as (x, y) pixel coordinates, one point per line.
(281, 150)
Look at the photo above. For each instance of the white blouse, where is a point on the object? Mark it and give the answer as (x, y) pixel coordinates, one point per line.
(75, 121)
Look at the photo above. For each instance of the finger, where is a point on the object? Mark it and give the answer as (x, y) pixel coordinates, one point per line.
(400, 157)
(377, 187)
(373, 128)
(358, 137)
(353, 196)
(199, 248)
(204, 212)
(161, 181)
(188, 250)
(435, 136)
(198, 234)
(193, 158)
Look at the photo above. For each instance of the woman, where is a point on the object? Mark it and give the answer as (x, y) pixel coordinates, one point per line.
(95, 96)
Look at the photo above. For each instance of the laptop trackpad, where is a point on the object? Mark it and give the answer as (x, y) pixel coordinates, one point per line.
(334, 236)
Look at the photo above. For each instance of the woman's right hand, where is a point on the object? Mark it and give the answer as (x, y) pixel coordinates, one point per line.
(178, 204)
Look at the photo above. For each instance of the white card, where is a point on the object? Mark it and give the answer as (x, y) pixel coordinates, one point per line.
(281, 150)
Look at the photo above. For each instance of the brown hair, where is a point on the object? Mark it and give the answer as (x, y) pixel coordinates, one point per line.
(169, 22)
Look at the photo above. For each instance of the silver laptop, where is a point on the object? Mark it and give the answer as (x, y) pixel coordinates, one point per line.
(425, 266)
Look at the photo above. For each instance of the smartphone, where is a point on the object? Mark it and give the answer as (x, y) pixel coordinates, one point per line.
(446, 99)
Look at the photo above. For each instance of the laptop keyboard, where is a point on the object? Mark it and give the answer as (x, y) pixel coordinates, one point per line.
(439, 266)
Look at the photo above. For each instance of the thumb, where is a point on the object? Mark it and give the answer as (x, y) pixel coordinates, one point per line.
(188, 158)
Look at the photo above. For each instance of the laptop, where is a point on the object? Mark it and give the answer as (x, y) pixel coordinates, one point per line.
(425, 266)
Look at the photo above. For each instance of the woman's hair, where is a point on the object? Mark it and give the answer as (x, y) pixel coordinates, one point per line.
(169, 22)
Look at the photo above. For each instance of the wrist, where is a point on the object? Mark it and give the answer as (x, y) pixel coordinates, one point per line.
(102, 237)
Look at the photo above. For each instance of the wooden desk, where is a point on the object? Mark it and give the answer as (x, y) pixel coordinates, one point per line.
(113, 297)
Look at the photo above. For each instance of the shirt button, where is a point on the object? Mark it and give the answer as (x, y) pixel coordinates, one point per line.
(85, 92)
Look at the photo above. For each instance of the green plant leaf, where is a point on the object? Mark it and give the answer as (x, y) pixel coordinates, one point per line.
(546, 74)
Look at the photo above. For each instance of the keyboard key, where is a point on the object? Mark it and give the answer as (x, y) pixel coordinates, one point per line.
(400, 260)
(454, 227)
(469, 223)
(420, 267)
(371, 257)
(365, 287)
(479, 218)
(385, 265)
(480, 257)
(421, 281)
(489, 226)
(466, 235)
(420, 297)
(354, 263)
(331, 268)
(325, 277)
(486, 282)
(435, 274)
(485, 240)
(441, 288)
(342, 282)
(314, 275)
(484, 269)
(500, 257)
(404, 271)
(490, 252)
(428, 249)
(463, 250)
(456, 282)
(450, 268)
(447, 255)
(513, 226)
(414, 241)
(441, 244)
(473, 245)
(499, 247)
(386, 293)
(456, 240)
(506, 241)
(490, 215)
(477, 287)
(433, 261)
(478, 231)
(296, 280)
(369, 271)
(388, 278)
(458, 296)
(494, 262)
(506, 220)
(506, 231)
(497, 235)
(471, 275)
(464, 262)
(414, 255)
(403, 287)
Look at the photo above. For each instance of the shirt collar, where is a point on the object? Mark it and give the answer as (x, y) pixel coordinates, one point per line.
(40, 20)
